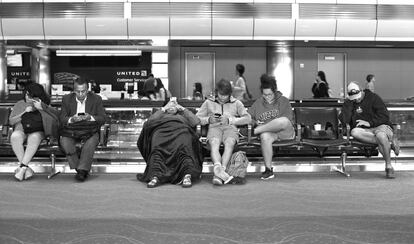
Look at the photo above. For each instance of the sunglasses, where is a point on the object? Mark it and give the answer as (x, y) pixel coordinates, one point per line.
(353, 92)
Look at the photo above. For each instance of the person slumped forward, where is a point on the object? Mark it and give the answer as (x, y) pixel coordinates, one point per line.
(81, 105)
(170, 147)
(369, 119)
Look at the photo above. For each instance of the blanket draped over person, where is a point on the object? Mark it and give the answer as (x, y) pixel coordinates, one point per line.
(171, 149)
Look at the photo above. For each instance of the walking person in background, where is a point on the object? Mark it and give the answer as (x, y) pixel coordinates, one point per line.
(32, 119)
(161, 94)
(320, 87)
(149, 87)
(240, 90)
(198, 91)
(370, 82)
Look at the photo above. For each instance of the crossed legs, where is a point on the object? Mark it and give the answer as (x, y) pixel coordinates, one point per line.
(276, 129)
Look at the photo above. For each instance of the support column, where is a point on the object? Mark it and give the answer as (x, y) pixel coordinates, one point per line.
(40, 70)
(280, 65)
(3, 71)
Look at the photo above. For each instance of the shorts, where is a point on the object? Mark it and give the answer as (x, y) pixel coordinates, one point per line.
(381, 128)
(286, 134)
(222, 132)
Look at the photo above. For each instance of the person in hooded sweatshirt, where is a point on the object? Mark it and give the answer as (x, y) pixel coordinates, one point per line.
(222, 113)
(369, 120)
(273, 116)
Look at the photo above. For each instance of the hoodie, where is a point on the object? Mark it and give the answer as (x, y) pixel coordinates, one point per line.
(233, 109)
(265, 112)
(371, 109)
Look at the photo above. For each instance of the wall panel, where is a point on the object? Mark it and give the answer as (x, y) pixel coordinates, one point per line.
(392, 67)
(254, 59)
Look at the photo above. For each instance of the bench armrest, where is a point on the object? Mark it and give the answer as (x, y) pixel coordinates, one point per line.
(249, 133)
(9, 133)
(104, 134)
(198, 130)
(299, 132)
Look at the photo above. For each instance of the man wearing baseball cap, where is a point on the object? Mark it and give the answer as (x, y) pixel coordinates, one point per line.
(370, 122)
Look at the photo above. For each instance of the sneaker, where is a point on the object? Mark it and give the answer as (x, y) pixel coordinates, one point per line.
(187, 181)
(238, 181)
(154, 182)
(81, 175)
(389, 172)
(19, 173)
(221, 173)
(395, 145)
(29, 173)
(268, 174)
(217, 181)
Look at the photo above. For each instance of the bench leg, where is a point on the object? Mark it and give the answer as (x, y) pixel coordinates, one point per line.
(53, 171)
(342, 169)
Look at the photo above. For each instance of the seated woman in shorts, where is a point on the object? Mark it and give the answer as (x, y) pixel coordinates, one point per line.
(273, 116)
(35, 101)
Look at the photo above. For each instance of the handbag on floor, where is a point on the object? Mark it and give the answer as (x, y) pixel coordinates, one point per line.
(237, 165)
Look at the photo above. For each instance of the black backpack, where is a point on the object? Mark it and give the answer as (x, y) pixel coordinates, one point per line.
(32, 122)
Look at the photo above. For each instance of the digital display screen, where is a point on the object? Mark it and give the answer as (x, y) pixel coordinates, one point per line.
(15, 60)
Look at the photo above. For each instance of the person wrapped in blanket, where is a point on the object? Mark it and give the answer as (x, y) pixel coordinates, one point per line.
(170, 147)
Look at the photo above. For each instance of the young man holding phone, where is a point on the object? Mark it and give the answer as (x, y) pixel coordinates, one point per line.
(370, 122)
(81, 105)
(222, 113)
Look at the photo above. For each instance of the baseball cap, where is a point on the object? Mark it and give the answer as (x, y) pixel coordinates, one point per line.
(354, 91)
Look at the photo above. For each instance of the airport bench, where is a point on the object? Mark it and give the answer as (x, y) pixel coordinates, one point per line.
(49, 147)
(332, 139)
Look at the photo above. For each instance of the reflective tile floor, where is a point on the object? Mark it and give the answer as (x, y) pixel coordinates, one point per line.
(292, 208)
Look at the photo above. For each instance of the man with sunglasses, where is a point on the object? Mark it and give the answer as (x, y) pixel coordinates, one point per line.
(369, 119)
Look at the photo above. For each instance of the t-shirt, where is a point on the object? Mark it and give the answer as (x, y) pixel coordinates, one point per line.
(265, 112)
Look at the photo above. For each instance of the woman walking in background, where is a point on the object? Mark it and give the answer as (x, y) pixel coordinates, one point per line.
(320, 88)
(240, 90)
(370, 82)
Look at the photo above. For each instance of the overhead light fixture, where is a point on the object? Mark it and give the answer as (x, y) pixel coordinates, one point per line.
(127, 11)
(98, 52)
